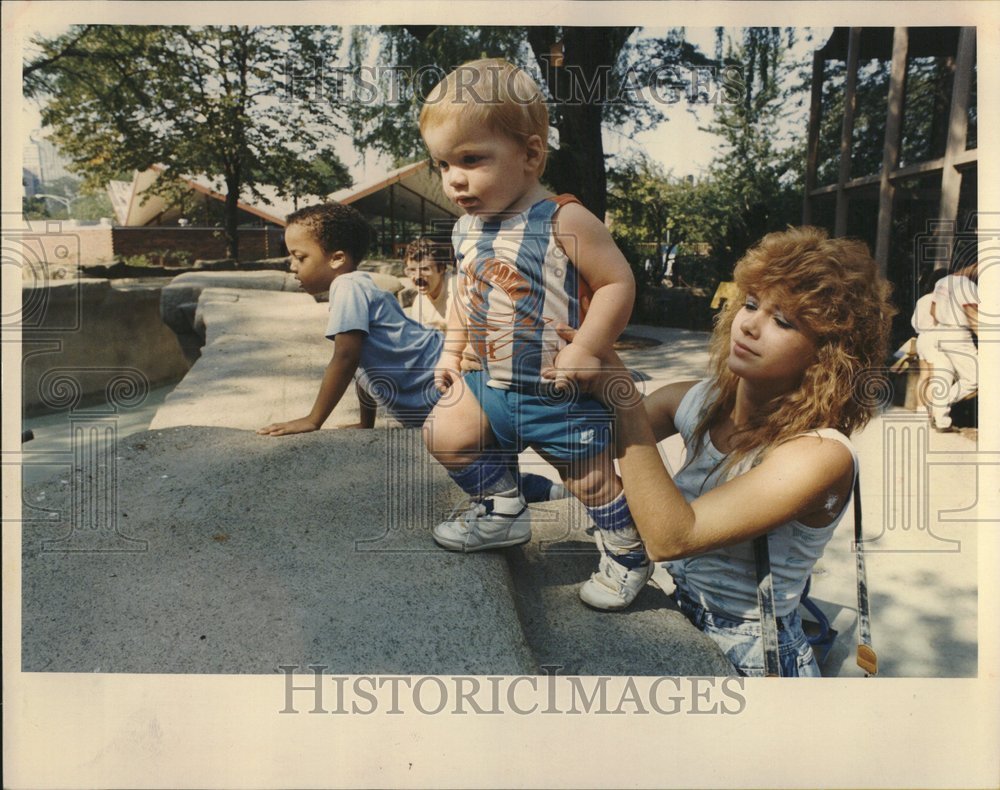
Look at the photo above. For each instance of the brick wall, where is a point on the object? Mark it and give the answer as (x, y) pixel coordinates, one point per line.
(201, 243)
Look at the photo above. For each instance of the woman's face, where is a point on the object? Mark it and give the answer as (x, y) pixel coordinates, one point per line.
(769, 347)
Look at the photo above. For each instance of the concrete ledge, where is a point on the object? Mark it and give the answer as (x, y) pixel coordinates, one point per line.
(179, 297)
(91, 333)
(244, 553)
(263, 361)
(650, 638)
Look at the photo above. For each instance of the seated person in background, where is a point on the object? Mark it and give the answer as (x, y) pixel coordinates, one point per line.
(955, 311)
(428, 263)
(391, 357)
(923, 323)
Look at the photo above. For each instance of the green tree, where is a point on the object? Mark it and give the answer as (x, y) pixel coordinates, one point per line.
(758, 176)
(649, 208)
(75, 204)
(924, 134)
(316, 177)
(394, 67)
(219, 101)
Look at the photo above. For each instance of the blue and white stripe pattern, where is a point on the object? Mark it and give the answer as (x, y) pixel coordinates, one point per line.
(515, 285)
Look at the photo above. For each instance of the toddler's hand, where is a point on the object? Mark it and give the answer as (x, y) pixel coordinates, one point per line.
(447, 371)
(470, 361)
(605, 378)
(575, 365)
(301, 425)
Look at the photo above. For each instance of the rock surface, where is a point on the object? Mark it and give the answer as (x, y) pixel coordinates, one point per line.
(221, 551)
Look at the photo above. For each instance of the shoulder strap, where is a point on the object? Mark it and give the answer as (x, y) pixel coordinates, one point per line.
(867, 658)
(765, 601)
(564, 199)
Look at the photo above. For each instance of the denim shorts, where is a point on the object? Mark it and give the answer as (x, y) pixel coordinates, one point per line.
(741, 642)
(571, 427)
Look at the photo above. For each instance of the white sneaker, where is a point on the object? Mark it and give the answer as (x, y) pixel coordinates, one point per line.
(614, 586)
(479, 527)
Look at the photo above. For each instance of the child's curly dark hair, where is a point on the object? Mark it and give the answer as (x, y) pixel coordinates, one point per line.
(336, 227)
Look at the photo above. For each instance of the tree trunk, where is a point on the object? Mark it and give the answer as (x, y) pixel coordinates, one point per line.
(232, 218)
(581, 157)
(579, 87)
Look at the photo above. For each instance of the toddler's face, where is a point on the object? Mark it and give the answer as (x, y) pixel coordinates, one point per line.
(310, 262)
(483, 172)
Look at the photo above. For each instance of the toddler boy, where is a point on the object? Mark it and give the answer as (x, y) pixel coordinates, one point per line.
(528, 261)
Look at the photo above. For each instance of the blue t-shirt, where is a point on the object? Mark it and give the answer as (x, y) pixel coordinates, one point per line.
(398, 355)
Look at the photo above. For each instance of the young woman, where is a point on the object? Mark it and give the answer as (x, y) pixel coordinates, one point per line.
(765, 437)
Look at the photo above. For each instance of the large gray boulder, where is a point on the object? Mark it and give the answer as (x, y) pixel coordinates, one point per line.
(228, 552)
(211, 550)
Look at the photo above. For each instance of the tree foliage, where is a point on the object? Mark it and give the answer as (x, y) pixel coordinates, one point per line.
(924, 132)
(199, 100)
(651, 209)
(758, 175)
(753, 185)
(82, 205)
(394, 68)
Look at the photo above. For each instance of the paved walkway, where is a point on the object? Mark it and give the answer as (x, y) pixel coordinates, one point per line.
(262, 550)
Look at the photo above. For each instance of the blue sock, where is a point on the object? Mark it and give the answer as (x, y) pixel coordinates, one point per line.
(488, 476)
(621, 538)
(535, 488)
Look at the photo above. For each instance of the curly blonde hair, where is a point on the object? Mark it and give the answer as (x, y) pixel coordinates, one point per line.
(832, 289)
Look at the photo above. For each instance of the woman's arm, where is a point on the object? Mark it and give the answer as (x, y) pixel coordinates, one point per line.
(807, 479)
(661, 408)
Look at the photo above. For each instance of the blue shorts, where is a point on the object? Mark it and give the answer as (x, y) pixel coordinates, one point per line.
(743, 645)
(565, 427)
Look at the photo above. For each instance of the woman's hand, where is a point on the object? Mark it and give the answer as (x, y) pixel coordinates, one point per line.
(576, 366)
(606, 379)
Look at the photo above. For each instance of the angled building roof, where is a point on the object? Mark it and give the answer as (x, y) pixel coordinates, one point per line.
(412, 193)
